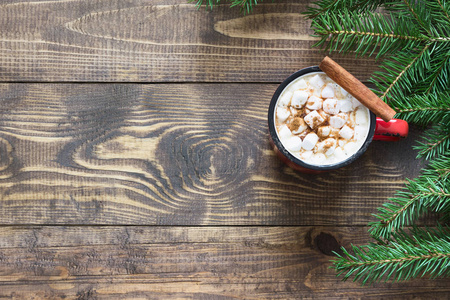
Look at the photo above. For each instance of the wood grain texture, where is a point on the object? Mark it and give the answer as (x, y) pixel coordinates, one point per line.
(187, 263)
(172, 154)
(157, 41)
(116, 114)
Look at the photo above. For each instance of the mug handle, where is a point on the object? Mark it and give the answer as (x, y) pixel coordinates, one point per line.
(391, 131)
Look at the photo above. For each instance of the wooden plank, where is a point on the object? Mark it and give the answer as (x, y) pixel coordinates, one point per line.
(157, 41)
(178, 154)
(187, 263)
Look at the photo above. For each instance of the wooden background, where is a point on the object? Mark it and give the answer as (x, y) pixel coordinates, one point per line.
(135, 163)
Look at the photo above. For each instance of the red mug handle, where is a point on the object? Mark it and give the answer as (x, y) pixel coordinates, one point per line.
(391, 131)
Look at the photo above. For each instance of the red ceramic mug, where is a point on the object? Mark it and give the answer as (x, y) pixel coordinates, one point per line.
(393, 130)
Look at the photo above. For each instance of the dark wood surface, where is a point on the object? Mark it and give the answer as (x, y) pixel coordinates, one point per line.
(135, 162)
(156, 41)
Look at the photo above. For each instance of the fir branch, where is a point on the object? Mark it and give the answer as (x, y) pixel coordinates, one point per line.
(209, 3)
(436, 141)
(444, 10)
(402, 259)
(428, 192)
(245, 5)
(440, 11)
(423, 109)
(414, 40)
(439, 78)
(414, 13)
(415, 233)
(364, 32)
(403, 73)
(322, 7)
(441, 168)
(327, 6)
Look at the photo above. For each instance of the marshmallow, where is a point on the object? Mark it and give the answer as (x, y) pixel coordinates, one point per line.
(355, 102)
(306, 155)
(339, 154)
(293, 111)
(298, 125)
(318, 158)
(361, 116)
(284, 132)
(343, 92)
(346, 132)
(282, 114)
(323, 131)
(331, 144)
(352, 117)
(360, 132)
(330, 106)
(314, 119)
(293, 143)
(338, 121)
(299, 85)
(334, 132)
(316, 82)
(328, 91)
(323, 114)
(351, 121)
(310, 141)
(299, 98)
(330, 151)
(350, 148)
(341, 143)
(327, 146)
(345, 106)
(285, 99)
(314, 103)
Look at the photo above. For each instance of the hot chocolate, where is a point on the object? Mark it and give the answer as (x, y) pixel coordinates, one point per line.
(318, 122)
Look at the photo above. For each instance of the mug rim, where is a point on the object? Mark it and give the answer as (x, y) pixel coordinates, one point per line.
(287, 153)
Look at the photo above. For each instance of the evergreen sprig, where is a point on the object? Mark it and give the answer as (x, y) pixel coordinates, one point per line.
(245, 5)
(411, 39)
(426, 193)
(436, 141)
(405, 256)
(423, 109)
(364, 32)
(326, 6)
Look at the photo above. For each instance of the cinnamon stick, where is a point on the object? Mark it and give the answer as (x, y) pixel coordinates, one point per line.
(357, 89)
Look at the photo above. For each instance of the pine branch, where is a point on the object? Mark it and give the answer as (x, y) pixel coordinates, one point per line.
(245, 5)
(402, 72)
(439, 79)
(327, 6)
(405, 257)
(417, 198)
(414, 40)
(423, 109)
(209, 3)
(365, 32)
(440, 167)
(445, 9)
(428, 192)
(436, 141)
(417, 10)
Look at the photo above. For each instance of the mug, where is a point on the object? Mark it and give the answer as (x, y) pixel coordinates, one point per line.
(393, 130)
